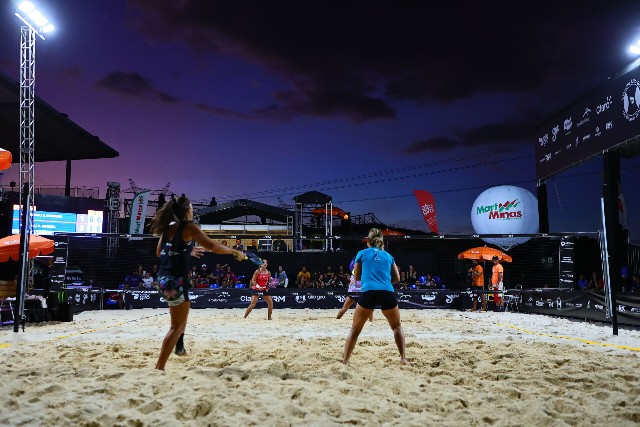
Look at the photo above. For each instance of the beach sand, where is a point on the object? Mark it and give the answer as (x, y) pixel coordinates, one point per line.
(466, 369)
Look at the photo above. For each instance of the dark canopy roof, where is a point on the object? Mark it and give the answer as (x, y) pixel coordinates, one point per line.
(57, 137)
(312, 198)
(239, 208)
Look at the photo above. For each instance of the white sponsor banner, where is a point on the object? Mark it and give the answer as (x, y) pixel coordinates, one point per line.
(138, 212)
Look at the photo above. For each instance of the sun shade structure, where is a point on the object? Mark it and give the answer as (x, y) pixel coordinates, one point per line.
(57, 137)
(10, 247)
(484, 253)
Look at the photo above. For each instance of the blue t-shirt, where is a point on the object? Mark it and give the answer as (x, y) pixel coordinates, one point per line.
(376, 269)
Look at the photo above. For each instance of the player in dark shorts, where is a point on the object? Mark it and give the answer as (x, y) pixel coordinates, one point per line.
(377, 270)
(173, 223)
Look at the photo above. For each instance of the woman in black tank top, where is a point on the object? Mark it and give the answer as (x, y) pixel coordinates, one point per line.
(173, 223)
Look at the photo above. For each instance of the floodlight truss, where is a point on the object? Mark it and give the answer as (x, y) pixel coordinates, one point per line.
(27, 114)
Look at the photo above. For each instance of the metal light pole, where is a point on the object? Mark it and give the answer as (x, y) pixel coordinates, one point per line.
(34, 24)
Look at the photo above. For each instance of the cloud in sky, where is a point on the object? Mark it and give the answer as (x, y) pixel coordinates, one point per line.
(133, 84)
(417, 51)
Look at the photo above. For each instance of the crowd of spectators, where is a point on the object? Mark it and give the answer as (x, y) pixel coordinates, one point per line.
(222, 276)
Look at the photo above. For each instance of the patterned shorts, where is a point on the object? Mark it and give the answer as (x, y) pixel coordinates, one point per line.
(172, 289)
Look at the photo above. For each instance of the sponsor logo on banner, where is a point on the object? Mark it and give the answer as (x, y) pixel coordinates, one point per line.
(450, 298)
(403, 297)
(301, 299)
(245, 298)
(341, 298)
(630, 98)
(429, 297)
(217, 300)
(279, 298)
(428, 208)
(545, 139)
(558, 304)
(506, 210)
(567, 125)
(138, 212)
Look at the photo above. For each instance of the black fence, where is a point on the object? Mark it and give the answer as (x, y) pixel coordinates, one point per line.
(104, 261)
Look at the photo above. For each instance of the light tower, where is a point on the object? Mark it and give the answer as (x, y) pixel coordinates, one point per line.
(35, 23)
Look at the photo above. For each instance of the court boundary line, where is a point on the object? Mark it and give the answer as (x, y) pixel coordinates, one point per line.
(7, 345)
(569, 338)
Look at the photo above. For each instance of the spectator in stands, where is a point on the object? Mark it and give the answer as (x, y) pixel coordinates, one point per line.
(596, 283)
(154, 271)
(303, 279)
(193, 275)
(202, 282)
(624, 278)
(140, 271)
(429, 283)
(329, 277)
(216, 275)
(133, 280)
(342, 278)
(281, 275)
(634, 287)
(147, 281)
(412, 275)
(319, 282)
(224, 243)
(238, 246)
(377, 270)
(582, 283)
(229, 279)
(253, 246)
(438, 282)
(204, 272)
(173, 223)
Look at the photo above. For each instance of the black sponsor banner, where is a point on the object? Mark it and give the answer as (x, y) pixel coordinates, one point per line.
(59, 266)
(555, 302)
(82, 299)
(566, 262)
(580, 304)
(240, 298)
(606, 116)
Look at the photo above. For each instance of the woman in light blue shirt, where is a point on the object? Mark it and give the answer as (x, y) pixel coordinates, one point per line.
(377, 270)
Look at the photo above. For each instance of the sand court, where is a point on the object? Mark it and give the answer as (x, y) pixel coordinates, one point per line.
(466, 369)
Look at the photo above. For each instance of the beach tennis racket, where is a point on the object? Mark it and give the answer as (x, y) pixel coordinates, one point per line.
(254, 258)
(273, 283)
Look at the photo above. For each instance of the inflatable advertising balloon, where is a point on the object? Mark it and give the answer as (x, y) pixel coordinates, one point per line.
(505, 210)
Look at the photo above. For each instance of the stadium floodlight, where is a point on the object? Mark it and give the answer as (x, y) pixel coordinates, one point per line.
(635, 48)
(34, 18)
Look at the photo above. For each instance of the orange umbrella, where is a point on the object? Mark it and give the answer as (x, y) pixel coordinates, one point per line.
(5, 159)
(10, 247)
(484, 252)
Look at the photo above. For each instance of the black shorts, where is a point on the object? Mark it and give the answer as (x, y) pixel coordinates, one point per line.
(371, 299)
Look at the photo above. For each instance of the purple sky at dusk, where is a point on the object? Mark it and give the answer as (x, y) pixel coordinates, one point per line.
(364, 101)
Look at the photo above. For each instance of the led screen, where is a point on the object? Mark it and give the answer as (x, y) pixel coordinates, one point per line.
(48, 223)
